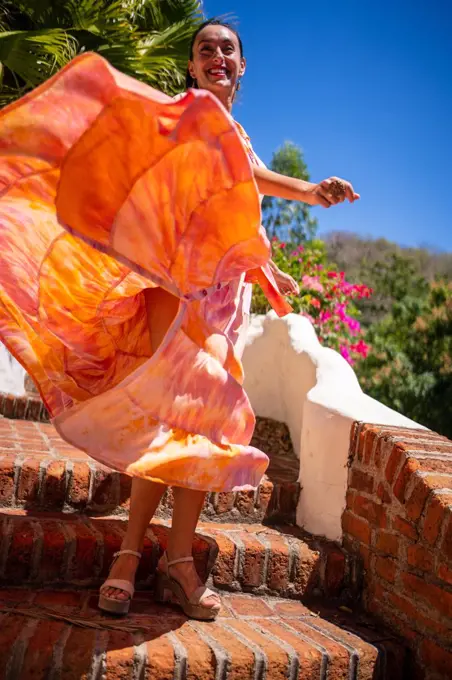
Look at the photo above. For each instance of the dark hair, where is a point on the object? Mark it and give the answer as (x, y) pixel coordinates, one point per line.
(189, 82)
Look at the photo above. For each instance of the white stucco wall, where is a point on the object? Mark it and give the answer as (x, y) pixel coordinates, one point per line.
(290, 377)
(11, 373)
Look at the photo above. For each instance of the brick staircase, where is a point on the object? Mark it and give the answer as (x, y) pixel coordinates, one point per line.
(62, 516)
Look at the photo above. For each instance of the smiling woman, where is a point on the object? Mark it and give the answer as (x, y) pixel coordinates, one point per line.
(129, 236)
(216, 61)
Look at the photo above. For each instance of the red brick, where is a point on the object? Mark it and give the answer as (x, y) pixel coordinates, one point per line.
(309, 657)
(386, 568)
(7, 472)
(53, 551)
(403, 527)
(350, 499)
(414, 615)
(361, 481)
(334, 572)
(160, 653)
(378, 453)
(223, 571)
(66, 601)
(436, 658)
(371, 436)
(278, 564)
(38, 660)
(54, 493)
(264, 495)
(420, 558)
(119, 657)
(245, 502)
(437, 507)
(241, 656)
(253, 561)
(85, 551)
(365, 556)
(387, 543)
(249, 606)
(105, 493)
(338, 654)
(19, 560)
(307, 569)
(21, 407)
(78, 494)
(383, 494)
(356, 527)
(447, 542)
(277, 658)
(200, 660)
(395, 459)
(10, 630)
(404, 477)
(34, 409)
(415, 504)
(358, 442)
(288, 608)
(445, 574)
(440, 599)
(28, 486)
(224, 502)
(78, 654)
(374, 513)
(9, 406)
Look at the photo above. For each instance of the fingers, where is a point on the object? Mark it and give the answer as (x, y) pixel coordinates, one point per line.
(336, 190)
(324, 197)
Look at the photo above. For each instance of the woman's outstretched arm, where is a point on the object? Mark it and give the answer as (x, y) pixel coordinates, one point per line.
(271, 183)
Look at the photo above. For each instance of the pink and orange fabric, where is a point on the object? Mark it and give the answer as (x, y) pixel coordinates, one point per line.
(107, 188)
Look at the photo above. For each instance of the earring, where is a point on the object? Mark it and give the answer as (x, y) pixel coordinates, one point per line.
(238, 85)
(195, 83)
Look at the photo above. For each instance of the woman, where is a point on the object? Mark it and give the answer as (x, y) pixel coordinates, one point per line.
(127, 355)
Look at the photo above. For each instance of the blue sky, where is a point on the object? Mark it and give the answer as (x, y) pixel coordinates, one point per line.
(365, 88)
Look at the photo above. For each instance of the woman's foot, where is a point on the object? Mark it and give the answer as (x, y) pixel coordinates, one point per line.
(124, 568)
(186, 575)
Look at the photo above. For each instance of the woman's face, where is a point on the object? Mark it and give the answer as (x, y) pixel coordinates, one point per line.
(217, 64)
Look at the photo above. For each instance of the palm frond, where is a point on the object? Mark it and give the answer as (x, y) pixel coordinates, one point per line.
(35, 55)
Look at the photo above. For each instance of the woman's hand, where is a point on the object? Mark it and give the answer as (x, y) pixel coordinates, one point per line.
(286, 284)
(333, 191)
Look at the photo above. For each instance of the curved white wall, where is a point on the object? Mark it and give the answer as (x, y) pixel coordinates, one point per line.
(11, 373)
(290, 377)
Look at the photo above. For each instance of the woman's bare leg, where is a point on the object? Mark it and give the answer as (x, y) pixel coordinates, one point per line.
(161, 309)
(187, 508)
(144, 500)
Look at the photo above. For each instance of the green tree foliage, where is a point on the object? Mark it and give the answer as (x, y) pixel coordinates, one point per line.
(147, 39)
(326, 298)
(384, 265)
(410, 365)
(288, 220)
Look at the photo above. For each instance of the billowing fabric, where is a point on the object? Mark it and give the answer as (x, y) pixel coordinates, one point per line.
(108, 188)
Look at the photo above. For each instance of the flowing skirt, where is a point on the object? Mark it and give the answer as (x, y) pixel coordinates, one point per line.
(109, 188)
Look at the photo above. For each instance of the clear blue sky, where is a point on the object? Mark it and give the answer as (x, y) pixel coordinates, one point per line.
(365, 88)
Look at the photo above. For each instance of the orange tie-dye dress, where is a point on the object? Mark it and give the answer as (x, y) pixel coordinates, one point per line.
(107, 188)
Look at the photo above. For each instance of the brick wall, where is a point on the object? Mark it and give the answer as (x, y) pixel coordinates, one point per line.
(398, 524)
(24, 407)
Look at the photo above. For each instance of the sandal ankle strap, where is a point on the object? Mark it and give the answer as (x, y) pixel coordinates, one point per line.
(178, 561)
(127, 552)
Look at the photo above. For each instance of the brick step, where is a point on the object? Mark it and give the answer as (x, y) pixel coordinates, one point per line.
(39, 471)
(252, 639)
(57, 548)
